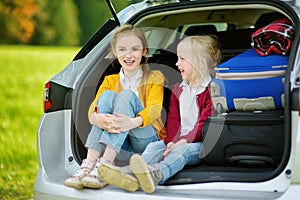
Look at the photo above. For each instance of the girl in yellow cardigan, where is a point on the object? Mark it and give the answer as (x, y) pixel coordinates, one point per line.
(126, 112)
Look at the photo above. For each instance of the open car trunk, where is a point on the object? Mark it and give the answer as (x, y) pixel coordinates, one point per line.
(239, 145)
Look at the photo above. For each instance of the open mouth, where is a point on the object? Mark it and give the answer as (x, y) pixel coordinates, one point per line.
(129, 61)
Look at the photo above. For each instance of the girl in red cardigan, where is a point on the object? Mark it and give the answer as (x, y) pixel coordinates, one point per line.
(190, 106)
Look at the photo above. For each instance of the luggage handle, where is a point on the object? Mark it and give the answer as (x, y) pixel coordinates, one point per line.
(250, 160)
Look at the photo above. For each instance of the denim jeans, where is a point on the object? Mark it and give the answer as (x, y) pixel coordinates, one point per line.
(126, 143)
(185, 154)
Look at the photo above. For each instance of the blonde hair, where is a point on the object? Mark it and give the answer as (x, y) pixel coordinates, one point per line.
(205, 55)
(138, 32)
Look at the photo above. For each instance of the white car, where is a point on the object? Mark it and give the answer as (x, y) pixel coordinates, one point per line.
(250, 152)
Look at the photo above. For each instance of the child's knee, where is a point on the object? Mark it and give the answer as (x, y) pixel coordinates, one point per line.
(107, 94)
(125, 94)
(126, 99)
(106, 97)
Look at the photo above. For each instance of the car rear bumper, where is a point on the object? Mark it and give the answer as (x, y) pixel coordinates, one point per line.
(49, 188)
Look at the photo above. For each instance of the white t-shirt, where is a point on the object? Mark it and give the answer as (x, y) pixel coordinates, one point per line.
(188, 105)
(132, 83)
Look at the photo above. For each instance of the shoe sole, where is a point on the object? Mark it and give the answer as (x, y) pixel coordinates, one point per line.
(73, 185)
(89, 184)
(113, 176)
(141, 171)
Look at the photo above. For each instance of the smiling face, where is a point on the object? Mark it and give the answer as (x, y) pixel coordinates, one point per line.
(184, 61)
(129, 50)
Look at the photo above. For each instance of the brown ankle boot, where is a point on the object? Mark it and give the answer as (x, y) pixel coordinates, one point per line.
(121, 177)
(148, 176)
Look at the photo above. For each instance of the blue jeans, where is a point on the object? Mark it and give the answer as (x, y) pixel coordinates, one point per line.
(125, 143)
(185, 154)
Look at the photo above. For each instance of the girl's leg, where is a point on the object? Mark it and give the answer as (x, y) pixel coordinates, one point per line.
(122, 177)
(92, 143)
(91, 179)
(109, 154)
(150, 175)
(154, 152)
(93, 154)
(186, 154)
(127, 103)
(140, 138)
(105, 105)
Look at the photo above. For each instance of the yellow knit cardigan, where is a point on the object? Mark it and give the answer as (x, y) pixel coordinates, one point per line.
(151, 114)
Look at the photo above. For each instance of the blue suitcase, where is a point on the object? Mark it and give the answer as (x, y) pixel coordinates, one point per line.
(250, 82)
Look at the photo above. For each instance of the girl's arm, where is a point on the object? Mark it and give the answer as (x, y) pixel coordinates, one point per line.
(173, 121)
(104, 121)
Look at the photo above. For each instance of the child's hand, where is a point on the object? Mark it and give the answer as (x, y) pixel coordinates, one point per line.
(106, 122)
(169, 148)
(126, 123)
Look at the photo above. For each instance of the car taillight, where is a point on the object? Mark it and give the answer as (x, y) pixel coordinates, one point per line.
(47, 102)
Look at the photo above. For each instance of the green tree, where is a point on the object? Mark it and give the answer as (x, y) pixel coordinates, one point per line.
(57, 23)
(16, 20)
(92, 14)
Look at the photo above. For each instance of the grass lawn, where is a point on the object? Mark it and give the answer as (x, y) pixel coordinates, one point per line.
(23, 72)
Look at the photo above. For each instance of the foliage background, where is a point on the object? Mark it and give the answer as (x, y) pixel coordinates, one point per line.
(38, 38)
(24, 70)
(55, 22)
